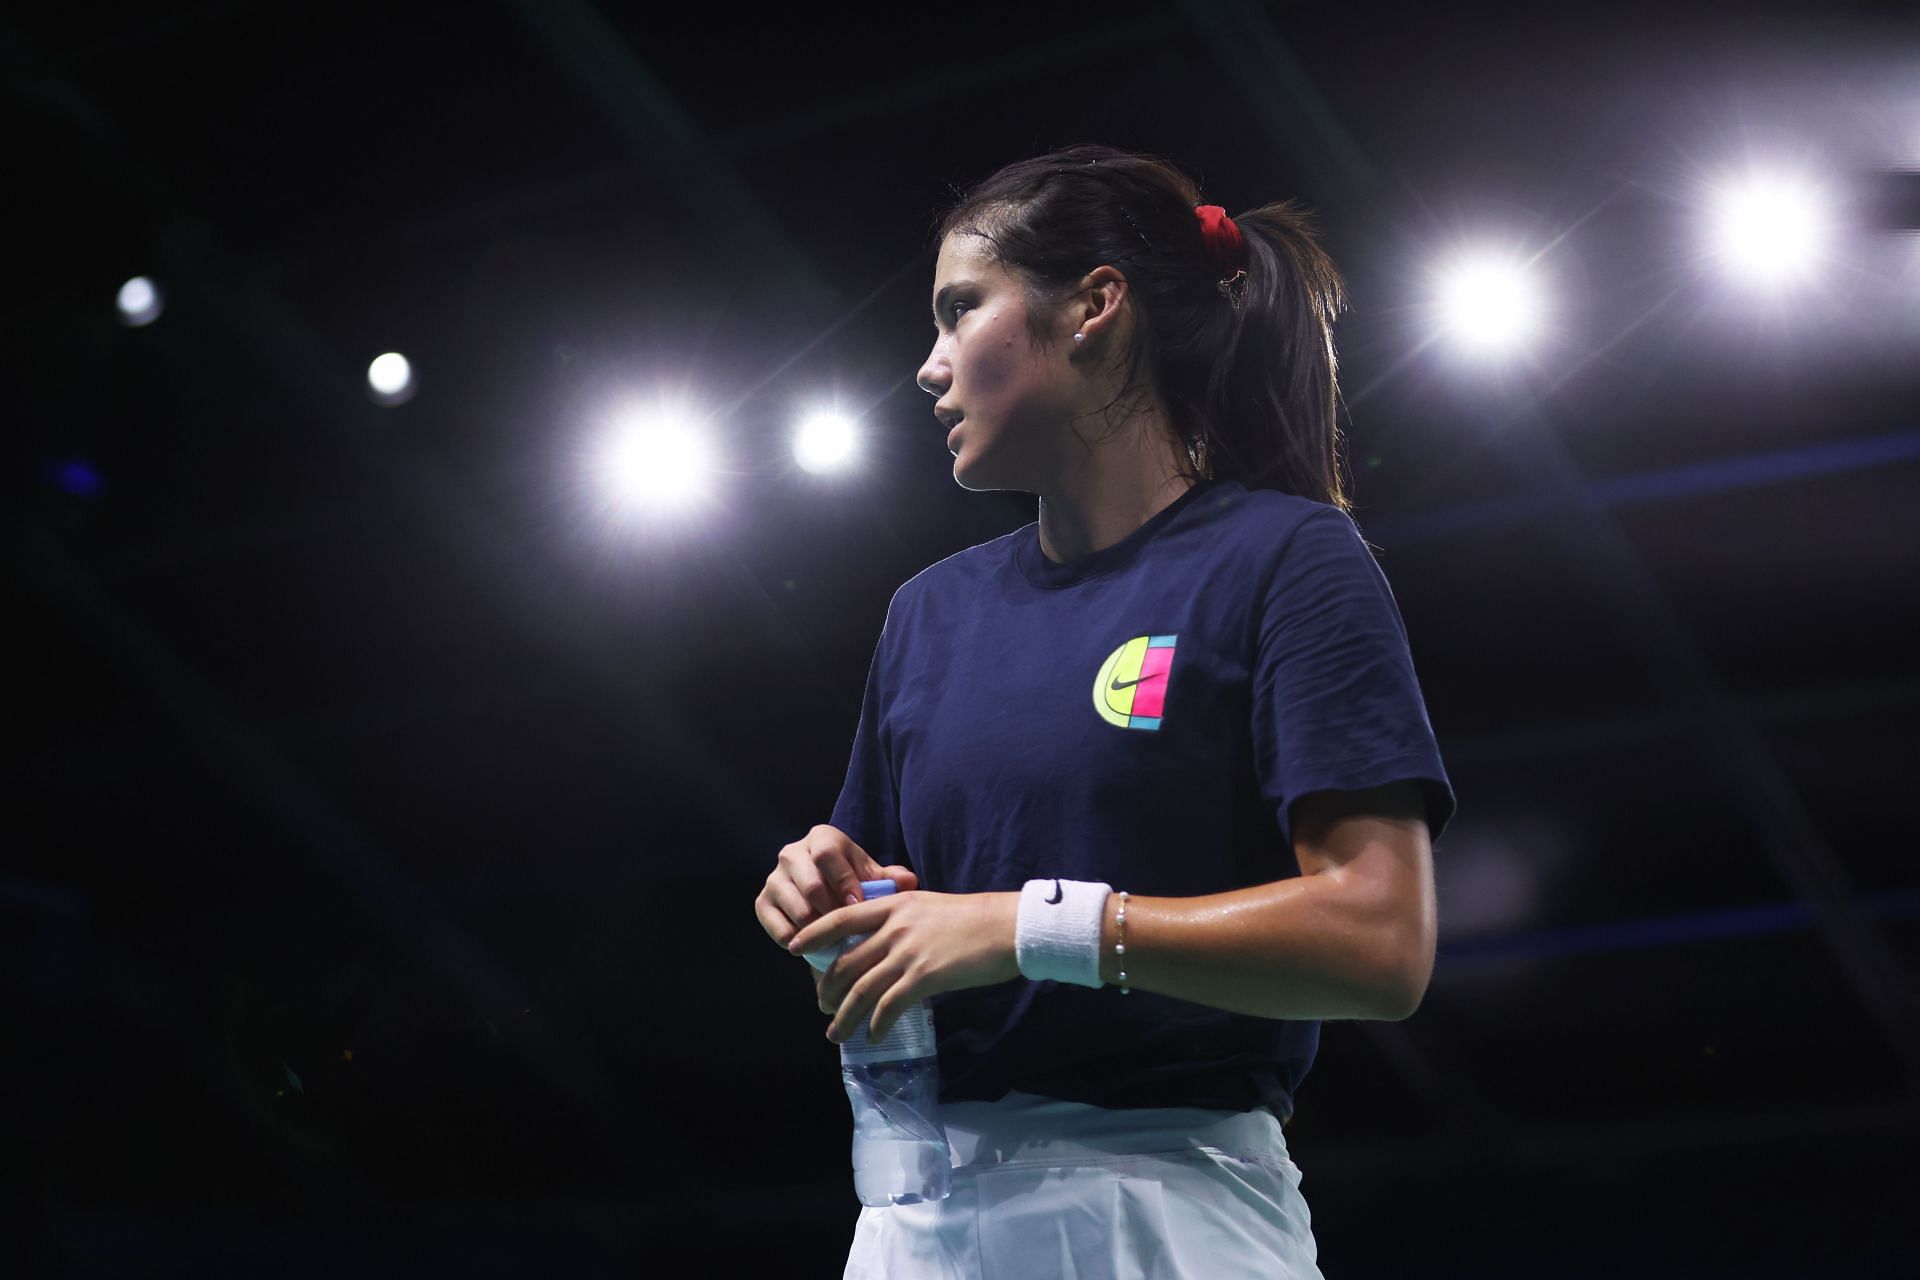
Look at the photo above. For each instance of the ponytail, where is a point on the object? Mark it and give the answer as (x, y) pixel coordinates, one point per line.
(1245, 367)
(1272, 403)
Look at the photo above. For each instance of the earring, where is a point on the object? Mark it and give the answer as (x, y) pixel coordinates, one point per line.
(1079, 337)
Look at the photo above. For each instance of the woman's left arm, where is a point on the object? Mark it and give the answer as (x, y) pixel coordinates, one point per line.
(1352, 936)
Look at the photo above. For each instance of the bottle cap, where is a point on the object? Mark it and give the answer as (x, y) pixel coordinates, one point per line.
(875, 888)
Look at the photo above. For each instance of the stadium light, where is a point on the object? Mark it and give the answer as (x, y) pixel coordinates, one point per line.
(391, 378)
(824, 442)
(1489, 303)
(139, 302)
(654, 458)
(1769, 229)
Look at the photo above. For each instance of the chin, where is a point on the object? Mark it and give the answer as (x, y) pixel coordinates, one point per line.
(978, 475)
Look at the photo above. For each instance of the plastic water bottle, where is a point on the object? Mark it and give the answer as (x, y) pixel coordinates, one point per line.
(900, 1152)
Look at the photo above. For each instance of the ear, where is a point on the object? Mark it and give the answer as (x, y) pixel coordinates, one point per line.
(1098, 306)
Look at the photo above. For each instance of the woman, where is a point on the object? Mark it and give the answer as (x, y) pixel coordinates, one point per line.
(1134, 905)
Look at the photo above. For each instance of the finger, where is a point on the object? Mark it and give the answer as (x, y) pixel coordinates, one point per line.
(847, 969)
(888, 1008)
(811, 880)
(782, 908)
(830, 990)
(858, 1004)
(902, 877)
(826, 991)
(816, 934)
(858, 860)
(772, 918)
(842, 863)
(881, 1016)
(911, 987)
(840, 924)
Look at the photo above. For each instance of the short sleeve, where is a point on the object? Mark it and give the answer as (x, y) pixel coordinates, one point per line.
(868, 809)
(1336, 705)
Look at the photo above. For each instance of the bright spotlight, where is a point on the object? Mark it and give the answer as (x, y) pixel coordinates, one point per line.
(1489, 303)
(139, 302)
(655, 459)
(1770, 229)
(391, 378)
(824, 442)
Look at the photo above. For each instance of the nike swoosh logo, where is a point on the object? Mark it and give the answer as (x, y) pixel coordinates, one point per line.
(1056, 894)
(1118, 685)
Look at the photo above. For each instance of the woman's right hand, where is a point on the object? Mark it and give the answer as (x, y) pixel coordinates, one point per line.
(818, 873)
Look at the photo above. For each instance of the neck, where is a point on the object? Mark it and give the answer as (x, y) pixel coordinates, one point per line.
(1112, 489)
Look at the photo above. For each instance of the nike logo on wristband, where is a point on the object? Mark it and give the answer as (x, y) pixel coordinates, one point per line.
(1056, 894)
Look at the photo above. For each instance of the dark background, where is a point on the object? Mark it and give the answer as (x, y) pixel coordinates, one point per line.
(386, 817)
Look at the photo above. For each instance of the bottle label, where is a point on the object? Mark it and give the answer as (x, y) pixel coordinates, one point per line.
(911, 1036)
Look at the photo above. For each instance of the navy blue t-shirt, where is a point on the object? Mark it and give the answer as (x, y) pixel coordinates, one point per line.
(1145, 716)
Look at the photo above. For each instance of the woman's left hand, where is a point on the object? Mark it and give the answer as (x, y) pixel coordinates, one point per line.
(923, 943)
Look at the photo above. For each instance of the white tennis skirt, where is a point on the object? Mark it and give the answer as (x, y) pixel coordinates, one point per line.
(1052, 1190)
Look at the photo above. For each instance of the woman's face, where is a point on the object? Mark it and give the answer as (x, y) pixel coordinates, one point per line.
(1006, 404)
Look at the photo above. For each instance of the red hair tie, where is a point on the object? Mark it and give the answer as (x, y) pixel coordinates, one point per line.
(1223, 239)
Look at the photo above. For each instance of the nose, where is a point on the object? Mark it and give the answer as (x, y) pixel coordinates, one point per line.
(936, 373)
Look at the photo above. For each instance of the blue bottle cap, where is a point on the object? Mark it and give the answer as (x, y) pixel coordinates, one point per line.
(823, 958)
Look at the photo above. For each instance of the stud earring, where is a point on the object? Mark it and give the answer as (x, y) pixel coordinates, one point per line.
(1079, 337)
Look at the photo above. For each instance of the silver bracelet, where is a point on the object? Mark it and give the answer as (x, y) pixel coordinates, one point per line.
(1120, 945)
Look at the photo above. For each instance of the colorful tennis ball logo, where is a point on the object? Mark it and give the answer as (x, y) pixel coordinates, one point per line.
(1131, 690)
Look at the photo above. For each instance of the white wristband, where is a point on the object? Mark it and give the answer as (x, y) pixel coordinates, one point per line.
(1057, 933)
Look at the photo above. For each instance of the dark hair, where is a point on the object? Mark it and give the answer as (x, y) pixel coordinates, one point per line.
(1246, 371)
